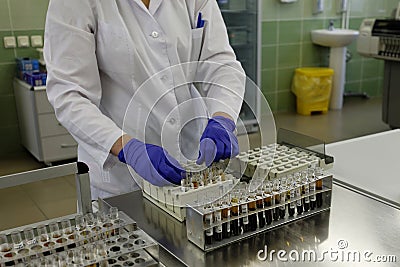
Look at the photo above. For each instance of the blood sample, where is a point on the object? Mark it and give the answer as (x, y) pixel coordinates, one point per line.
(292, 204)
(252, 206)
(260, 206)
(306, 191)
(226, 214)
(217, 220)
(235, 228)
(268, 202)
(299, 203)
(208, 220)
(277, 198)
(313, 200)
(318, 185)
(244, 221)
(283, 190)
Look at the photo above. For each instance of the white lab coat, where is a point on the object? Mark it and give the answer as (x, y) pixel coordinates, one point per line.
(100, 55)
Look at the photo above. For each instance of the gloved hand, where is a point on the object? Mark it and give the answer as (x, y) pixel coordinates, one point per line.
(151, 162)
(218, 141)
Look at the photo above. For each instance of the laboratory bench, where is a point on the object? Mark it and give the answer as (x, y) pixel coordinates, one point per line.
(360, 228)
(363, 219)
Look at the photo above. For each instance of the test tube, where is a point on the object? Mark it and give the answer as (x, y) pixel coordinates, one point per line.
(292, 204)
(268, 202)
(260, 206)
(17, 239)
(306, 188)
(226, 214)
(319, 185)
(208, 220)
(30, 238)
(80, 222)
(313, 200)
(54, 230)
(244, 221)
(5, 246)
(235, 225)
(218, 219)
(277, 198)
(62, 259)
(114, 213)
(283, 190)
(252, 206)
(42, 233)
(299, 203)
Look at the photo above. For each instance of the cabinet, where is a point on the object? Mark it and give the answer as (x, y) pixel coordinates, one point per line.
(41, 134)
(243, 23)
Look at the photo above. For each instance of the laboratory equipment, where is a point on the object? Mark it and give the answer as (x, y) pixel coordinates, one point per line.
(380, 38)
(82, 240)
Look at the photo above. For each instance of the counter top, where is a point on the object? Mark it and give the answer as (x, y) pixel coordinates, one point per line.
(355, 224)
(369, 164)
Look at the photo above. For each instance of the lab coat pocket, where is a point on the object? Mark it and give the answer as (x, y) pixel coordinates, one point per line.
(113, 51)
(197, 42)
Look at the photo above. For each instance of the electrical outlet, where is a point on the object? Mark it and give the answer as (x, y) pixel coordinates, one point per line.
(36, 41)
(9, 42)
(23, 41)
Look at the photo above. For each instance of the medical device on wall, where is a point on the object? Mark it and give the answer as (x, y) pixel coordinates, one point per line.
(380, 38)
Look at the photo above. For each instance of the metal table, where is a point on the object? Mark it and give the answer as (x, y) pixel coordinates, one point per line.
(355, 225)
(369, 165)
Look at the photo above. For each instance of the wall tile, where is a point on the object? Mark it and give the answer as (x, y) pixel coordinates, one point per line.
(270, 10)
(268, 81)
(271, 99)
(10, 140)
(268, 57)
(6, 55)
(28, 14)
(370, 68)
(269, 33)
(285, 77)
(370, 86)
(291, 11)
(311, 55)
(7, 73)
(8, 111)
(353, 71)
(308, 26)
(4, 17)
(352, 87)
(286, 101)
(289, 55)
(289, 32)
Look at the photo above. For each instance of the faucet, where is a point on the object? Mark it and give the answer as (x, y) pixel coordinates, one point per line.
(331, 27)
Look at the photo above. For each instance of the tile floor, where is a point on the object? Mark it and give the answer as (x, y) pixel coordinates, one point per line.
(56, 197)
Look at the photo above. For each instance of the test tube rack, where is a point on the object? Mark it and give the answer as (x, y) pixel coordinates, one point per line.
(206, 220)
(117, 242)
(271, 161)
(174, 200)
(277, 160)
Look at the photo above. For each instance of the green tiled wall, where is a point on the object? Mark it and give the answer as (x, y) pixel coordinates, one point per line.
(286, 45)
(17, 17)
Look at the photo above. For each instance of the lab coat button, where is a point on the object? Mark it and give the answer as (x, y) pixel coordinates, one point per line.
(172, 120)
(154, 34)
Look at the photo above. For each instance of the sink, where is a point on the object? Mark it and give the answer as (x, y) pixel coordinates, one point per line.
(334, 38)
(337, 40)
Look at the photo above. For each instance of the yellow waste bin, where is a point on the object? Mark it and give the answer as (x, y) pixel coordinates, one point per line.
(312, 87)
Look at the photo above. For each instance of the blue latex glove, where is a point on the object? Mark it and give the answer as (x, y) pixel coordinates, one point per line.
(151, 162)
(218, 141)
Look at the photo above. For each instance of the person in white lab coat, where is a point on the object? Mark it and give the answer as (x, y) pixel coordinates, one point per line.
(116, 80)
